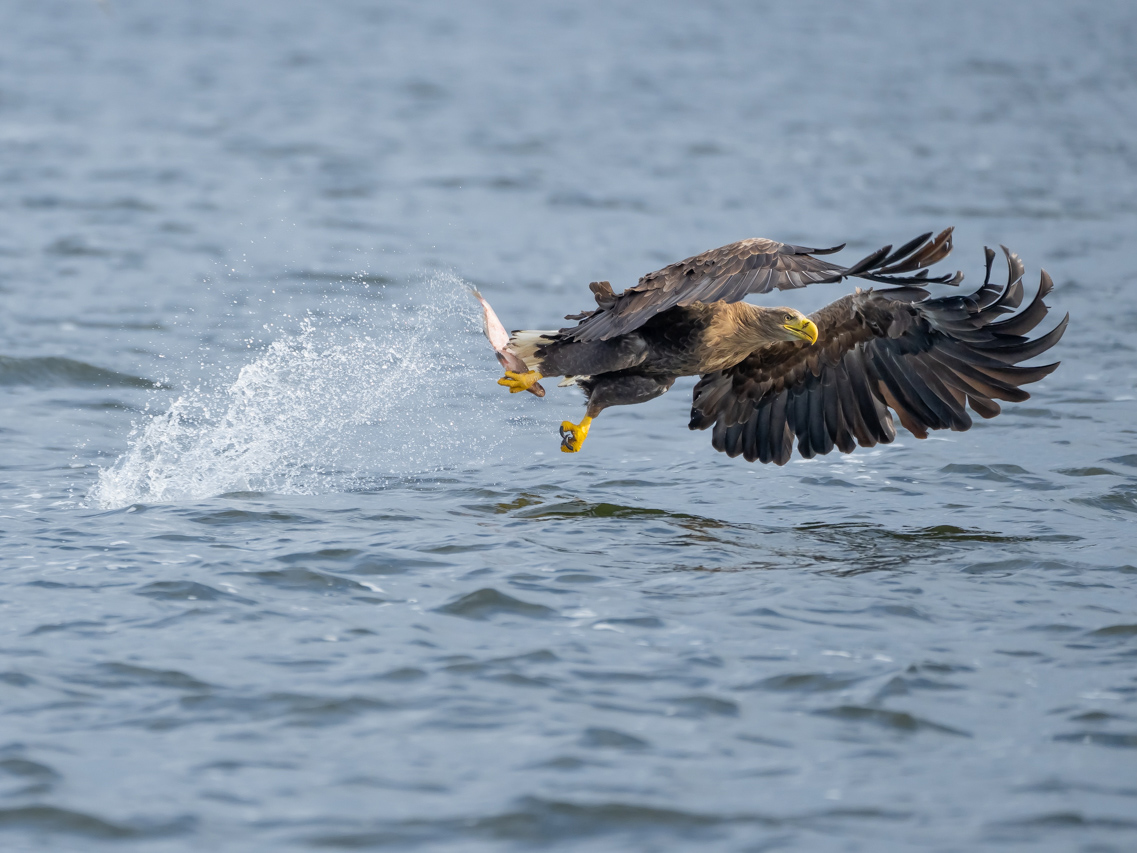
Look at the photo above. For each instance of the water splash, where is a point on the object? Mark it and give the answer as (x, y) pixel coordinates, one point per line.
(355, 396)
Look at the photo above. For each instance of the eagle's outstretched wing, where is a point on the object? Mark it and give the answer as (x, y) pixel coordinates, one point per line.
(750, 266)
(879, 350)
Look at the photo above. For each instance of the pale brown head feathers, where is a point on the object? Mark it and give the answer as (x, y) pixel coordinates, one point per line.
(780, 324)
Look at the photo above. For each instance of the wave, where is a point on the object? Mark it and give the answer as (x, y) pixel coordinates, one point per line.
(56, 372)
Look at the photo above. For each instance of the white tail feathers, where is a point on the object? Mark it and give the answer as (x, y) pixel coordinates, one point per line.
(524, 343)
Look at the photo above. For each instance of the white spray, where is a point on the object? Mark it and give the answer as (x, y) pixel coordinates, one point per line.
(342, 404)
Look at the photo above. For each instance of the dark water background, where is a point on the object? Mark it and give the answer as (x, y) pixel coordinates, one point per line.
(337, 589)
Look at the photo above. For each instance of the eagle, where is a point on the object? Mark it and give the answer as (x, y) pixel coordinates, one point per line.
(770, 376)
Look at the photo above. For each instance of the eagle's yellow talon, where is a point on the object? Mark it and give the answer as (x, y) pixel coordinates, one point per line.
(517, 382)
(573, 435)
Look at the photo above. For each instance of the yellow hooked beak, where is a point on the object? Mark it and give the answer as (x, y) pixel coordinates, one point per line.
(804, 328)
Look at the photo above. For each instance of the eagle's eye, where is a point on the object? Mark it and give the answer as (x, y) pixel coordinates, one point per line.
(789, 318)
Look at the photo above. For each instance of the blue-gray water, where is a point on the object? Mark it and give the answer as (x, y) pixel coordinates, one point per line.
(329, 586)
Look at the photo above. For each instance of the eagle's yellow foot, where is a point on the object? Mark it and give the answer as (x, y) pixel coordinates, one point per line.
(573, 435)
(516, 382)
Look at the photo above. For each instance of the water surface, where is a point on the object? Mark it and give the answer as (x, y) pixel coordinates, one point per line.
(283, 568)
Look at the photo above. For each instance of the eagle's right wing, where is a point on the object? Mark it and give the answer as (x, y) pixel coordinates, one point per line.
(757, 265)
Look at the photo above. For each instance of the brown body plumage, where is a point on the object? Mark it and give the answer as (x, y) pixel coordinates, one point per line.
(770, 375)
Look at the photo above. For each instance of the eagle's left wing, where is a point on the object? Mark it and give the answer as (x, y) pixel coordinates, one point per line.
(879, 350)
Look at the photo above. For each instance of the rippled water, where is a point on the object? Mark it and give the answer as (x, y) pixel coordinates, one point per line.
(283, 568)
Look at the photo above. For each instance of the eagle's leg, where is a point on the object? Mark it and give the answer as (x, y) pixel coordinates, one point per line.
(516, 382)
(573, 435)
(610, 389)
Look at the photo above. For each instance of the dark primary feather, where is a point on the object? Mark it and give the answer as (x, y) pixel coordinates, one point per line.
(758, 265)
(925, 359)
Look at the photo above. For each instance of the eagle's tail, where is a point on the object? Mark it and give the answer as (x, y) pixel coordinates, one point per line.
(524, 344)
